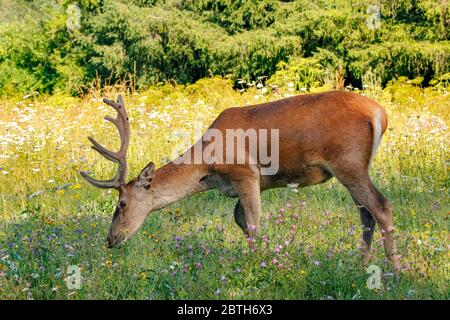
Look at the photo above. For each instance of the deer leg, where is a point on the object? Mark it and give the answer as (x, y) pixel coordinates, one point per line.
(239, 217)
(250, 201)
(368, 225)
(363, 190)
(385, 223)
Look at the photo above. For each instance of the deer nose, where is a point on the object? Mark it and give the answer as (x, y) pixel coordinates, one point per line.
(111, 239)
(114, 240)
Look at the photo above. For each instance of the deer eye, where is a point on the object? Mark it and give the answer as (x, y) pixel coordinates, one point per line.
(122, 204)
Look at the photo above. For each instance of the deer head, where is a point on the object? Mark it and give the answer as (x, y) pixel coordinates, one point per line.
(131, 209)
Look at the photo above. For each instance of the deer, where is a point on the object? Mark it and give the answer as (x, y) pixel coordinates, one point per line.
(320, 136)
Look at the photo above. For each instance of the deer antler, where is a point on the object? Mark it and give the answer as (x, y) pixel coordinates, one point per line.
(120, 157)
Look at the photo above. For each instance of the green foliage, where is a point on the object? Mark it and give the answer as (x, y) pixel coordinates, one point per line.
(237, 15)
(38, 55)
(401, 58)
(49, 46)
(323, 68)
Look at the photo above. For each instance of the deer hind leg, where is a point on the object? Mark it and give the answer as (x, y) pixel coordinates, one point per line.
(368, 225)
(364, 192)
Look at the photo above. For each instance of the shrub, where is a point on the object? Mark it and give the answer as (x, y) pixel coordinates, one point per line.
(144, 42)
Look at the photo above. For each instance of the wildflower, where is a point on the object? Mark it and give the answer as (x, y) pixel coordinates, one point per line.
(293, 187)
(263, 264)
(411, 292)
(274, 261)
(49, 221)
(52, 236)
(198, 265)
(317, 262)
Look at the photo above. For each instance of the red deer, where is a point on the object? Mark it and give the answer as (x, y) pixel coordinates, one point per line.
(333, 134)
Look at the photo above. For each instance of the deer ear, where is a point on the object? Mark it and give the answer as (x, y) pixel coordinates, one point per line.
(146, 176)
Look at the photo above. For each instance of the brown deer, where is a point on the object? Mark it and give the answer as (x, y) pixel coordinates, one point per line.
(320, 136)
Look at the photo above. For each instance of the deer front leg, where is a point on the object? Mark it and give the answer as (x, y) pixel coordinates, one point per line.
(239, 217)
(247, 211)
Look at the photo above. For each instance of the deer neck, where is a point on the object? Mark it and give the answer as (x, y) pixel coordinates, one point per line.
(173, 182)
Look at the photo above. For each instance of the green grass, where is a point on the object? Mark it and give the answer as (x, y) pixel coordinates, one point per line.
(193, 249)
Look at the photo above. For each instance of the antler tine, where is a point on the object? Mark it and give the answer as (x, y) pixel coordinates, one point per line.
(108, 154)
(113, 104)
(104, 184)
(123, 126)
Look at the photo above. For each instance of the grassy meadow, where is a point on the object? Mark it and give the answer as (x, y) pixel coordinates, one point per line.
(309, 242)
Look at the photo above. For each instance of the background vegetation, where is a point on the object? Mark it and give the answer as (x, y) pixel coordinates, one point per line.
(51, 46)
(180, 62)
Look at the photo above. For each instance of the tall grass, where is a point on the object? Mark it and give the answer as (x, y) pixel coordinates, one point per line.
(308, 247)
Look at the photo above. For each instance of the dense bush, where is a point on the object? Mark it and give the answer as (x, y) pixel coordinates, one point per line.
(65, 45)
(236, 15)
